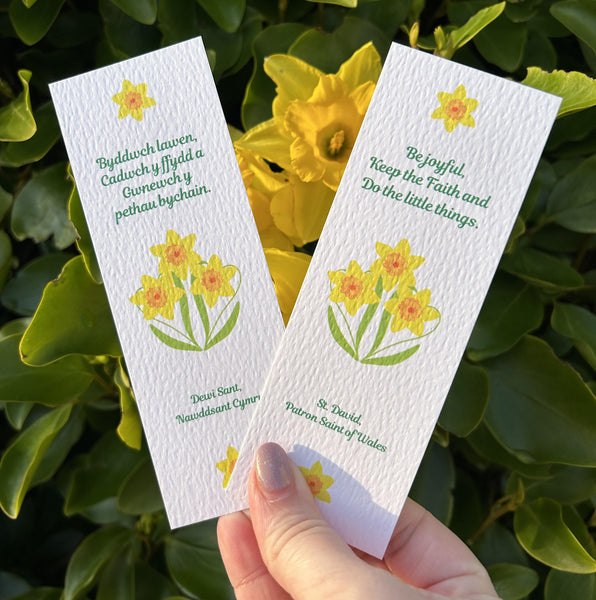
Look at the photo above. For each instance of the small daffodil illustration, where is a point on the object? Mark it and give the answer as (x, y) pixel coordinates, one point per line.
(353, 287)
(226, 466)
(212, 280)
(456, 109)
(317, 481)
(177, 254)
(132, 100)
(158, 297)
(411, 310)
(394, 264)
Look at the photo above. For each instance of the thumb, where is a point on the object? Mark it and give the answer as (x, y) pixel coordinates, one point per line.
(302, 552)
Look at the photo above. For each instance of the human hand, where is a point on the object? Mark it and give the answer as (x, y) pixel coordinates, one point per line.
(286, 550)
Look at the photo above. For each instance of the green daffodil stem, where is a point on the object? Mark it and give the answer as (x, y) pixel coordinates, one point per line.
(193, 342)
(223, 310)
(349, 331)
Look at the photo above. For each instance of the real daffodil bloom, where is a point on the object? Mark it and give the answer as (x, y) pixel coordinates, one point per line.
(212, 280)
(176, 254)
(456, 109)
(410, 310)
(353, 287)
(394, 264)
(227, 465)
(317, 481)
(158, 297)
(132, 100)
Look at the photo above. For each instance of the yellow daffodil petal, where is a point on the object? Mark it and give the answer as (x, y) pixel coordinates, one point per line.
(324, 496)
(269, 140)
(364, 65)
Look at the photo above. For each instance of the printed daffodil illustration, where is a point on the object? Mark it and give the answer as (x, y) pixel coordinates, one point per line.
(456, 109)
(170, 296)
(317, 481)
(132, 100)
(177, 254)
(158, 297)
(226, 466)
(212, 280)
(411, 310)
(353, 287)
(394, 263)
(388, 287)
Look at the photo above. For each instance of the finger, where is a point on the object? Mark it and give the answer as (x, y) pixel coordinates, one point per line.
(426, 554)
(240, 552)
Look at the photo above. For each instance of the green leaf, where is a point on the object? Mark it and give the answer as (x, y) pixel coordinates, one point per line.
(5, 257)
(23, 456)
(466, 400)
(228, 15)
(502, 43)
(346, 3)
(140, 492)
(89, 558)
(117, 579)
(23, 292)
(17, 154)
(539, 408)
(75, 213)
(40, 208)
(511, 309)
(519, 228)
(16, 326)
(542, 532)
(462, 35)
(578, 324)
(5, 202)
(383, 324)
(572, 202)
(129, 429)
(17, 412)
(434, 483)
(497, 545)
(143, 11)
(61, 382)
(31, 24)
(579, 16)
(338, 336)
(168, 340)
(512, 582)
(366, 319)
(542, 270)
(178, 20)
(40, 593)
(577, 89)
(226, 329)
(392, 359)
(567, 485)
(194, 562)
(200, 303)
(570, 586)
(11, 585)
(73, 318)
(16, 119)
(151, 584)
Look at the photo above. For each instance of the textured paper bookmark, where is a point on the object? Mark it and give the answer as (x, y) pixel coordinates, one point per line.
(182, 263)
(433, 186)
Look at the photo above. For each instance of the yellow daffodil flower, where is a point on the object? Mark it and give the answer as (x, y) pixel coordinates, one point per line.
(318, 482)
(212, 280)
(158, 297)
(226, 466)
(456, 109)
(411, 310)
(176, 254)
(353, 287)
(132, 100)
(287, 271)
(394, 264)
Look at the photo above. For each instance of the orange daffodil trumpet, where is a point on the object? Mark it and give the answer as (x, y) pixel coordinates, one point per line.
(132, 100)
(158, 297)
(212, 280)
(317, 481)
(177, 254)
(456, 109)
(388, 289)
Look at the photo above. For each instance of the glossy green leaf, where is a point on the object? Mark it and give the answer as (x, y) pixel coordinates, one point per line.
(541, 269)
(346, 3)
(466, 401)
(178, 20)
(434, 482)
(542, 532)
(502, 43)
(16, 119)
(194, 562)
(117, 579)
(5, 202)
(22, 458)
(539, 408)
(23, 292)
(12, 585)
(17, 154)
(519, 228)
(512, 582)
(151, 584)
(143, 11)
(569, 586)
(572, 202)
(129, 429)
(567, 485)
(140, 493)
(61, 382)
(40, 208)
(31, 24)
(387, 15)
(73, 318)
(88, 559)
(539, 52)
(5, 257)
(579, 324)
(40, 593)
(579, 16)
(16, 326)
(497, 545)
(228, 15)
(17, 412)
(511, 309)
(462, 35)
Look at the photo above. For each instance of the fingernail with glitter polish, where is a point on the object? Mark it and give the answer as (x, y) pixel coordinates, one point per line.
(274, 469)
